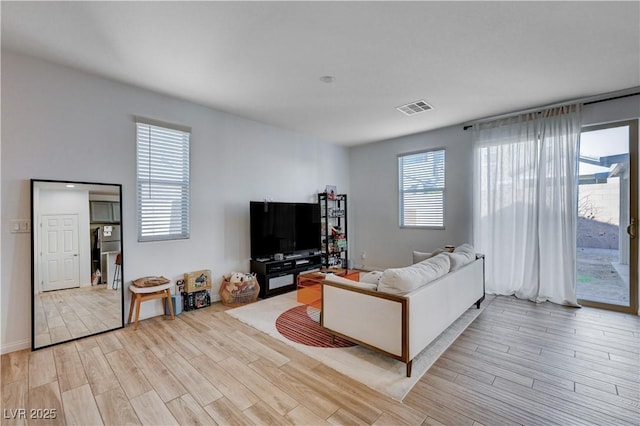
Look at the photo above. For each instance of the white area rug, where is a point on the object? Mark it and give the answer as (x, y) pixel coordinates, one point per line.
(385, 375)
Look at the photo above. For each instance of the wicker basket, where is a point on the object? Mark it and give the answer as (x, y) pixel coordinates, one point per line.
(245, 293)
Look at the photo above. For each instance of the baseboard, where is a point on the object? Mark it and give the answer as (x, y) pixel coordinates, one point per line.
(15, 346)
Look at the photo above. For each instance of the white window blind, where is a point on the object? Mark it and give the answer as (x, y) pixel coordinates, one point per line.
(162, 182)
(421, 178)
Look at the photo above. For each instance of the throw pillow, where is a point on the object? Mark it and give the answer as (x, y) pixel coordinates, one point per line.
(404, 280)
(461, 256)
(419, 256)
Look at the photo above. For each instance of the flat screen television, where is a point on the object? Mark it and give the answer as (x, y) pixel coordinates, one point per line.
(287, 228)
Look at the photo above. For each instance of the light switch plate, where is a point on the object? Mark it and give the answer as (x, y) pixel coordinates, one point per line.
(20, 226)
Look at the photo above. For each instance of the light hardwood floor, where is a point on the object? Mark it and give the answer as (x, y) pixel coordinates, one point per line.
(63, 315)
(518, 363)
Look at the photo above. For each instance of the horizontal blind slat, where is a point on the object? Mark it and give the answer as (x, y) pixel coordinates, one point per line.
(421, 188)
(162, 183)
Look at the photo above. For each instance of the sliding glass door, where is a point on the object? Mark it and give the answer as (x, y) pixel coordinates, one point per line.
(607, 245)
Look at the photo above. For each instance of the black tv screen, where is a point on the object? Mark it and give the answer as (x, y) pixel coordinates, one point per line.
(285, 228)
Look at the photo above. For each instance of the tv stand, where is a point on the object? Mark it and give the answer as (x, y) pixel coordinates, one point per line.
(280, 276)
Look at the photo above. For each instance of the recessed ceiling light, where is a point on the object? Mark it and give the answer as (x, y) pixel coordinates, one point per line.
(414, 107)
(327, 79)
(70, 186)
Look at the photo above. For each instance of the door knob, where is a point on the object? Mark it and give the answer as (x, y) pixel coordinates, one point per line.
(631, 229)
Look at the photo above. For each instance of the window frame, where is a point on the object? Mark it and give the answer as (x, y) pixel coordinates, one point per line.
(183, 135)
(401, 192)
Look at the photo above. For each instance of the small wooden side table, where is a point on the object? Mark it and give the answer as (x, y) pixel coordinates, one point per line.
(142, 294)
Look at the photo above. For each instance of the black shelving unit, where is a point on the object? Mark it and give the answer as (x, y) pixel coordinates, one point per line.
(333, 218)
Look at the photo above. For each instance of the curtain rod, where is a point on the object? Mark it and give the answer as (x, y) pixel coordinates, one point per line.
(585, 101)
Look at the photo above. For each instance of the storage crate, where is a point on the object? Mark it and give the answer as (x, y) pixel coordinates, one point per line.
(197, 300)
(176, 302)
(197, 281)
(240, 294)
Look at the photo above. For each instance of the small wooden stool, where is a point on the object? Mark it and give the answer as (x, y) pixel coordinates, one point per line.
(141, 294)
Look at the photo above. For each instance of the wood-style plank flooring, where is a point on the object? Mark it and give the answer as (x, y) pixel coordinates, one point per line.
(518, 363)
(63, 315)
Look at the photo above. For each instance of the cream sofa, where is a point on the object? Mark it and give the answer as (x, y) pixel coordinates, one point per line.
(400, 323)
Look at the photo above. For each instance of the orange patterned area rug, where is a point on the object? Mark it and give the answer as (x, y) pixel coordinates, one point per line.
(384, 374)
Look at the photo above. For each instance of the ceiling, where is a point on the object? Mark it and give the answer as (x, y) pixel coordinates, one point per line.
(264, 60)
(93, 188)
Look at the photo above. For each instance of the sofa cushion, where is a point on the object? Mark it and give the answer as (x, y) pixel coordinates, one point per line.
(404, 280)
(465, 248)
(356, 284)
(372, 277)
(461, 256)
(419, 256)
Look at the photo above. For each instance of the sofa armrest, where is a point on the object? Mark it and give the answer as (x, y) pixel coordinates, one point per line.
(378, 322)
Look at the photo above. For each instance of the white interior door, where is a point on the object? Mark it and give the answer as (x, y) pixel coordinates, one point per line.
(59, 252)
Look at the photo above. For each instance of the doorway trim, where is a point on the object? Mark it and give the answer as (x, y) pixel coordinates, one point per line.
(633, 213)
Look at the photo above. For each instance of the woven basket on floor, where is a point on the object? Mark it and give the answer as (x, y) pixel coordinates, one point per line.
(247, 292)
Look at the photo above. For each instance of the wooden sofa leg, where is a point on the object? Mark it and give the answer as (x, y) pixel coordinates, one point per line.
(409, 368)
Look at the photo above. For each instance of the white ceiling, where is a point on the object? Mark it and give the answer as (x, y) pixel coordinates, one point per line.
(264, 60)
(93, 188)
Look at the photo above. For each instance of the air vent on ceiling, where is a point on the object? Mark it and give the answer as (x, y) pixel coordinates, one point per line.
(414, 107)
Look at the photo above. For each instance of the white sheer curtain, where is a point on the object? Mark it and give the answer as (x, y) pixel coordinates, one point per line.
(525, 196)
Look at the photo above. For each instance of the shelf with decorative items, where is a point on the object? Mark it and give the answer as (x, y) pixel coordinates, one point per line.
(333, 220)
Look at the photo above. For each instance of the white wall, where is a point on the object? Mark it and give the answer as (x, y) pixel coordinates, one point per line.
(62, 124)
(373, 201)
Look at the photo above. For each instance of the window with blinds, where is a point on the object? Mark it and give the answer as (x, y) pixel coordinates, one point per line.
(162, 181)
(421, 189)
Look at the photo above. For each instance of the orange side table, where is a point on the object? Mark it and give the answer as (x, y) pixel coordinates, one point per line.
(310, 287)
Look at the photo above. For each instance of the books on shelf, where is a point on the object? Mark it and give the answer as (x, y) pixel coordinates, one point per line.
(333, 209)
(335, 212)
